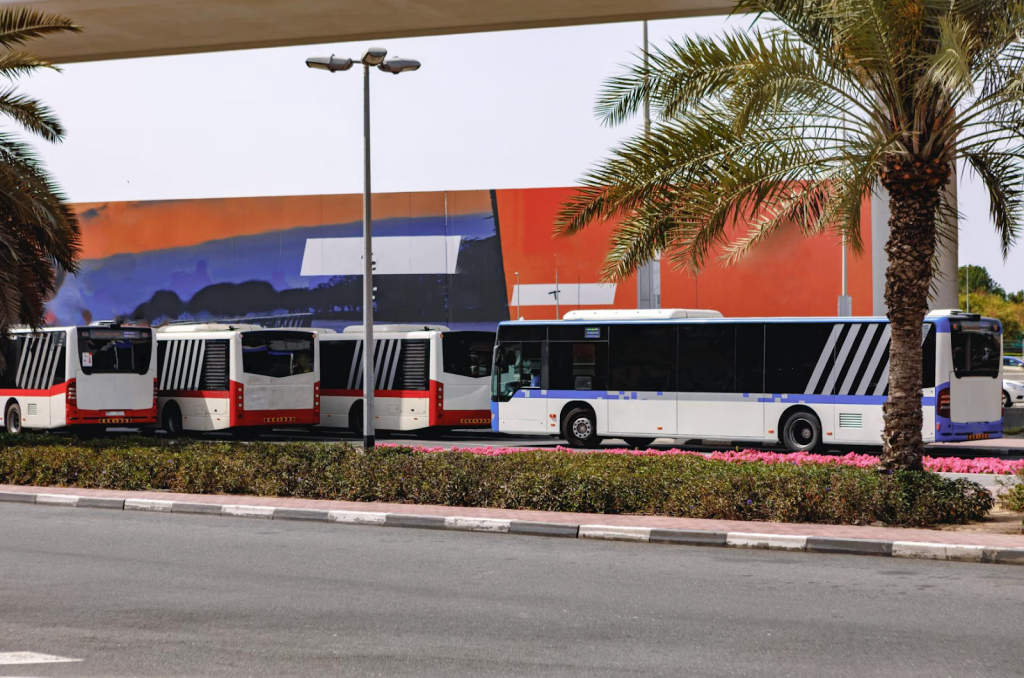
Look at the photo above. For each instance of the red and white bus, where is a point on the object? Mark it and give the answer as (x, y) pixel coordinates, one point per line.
(426, 376)
(78, 377)
(240, 377)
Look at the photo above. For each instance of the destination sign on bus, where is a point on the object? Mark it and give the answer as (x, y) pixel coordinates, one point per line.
(112, 334)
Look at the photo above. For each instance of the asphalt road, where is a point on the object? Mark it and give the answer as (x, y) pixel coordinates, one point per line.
(177, 595)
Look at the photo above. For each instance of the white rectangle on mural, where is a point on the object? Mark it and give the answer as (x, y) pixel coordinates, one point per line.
(394, 255)
(586, 294)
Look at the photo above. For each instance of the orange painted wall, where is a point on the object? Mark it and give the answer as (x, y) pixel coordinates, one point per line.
(787, 276)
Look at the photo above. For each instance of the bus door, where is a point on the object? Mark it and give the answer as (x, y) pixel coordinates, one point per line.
(721, 380)
(975, 390)
(516, 387)
(642, 380)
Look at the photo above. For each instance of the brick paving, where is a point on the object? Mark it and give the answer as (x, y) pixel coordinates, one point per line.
(802, 529)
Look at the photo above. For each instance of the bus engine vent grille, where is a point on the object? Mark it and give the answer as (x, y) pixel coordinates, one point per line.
(413, 370)
(850, 420)
(215, 366)
(33, 409)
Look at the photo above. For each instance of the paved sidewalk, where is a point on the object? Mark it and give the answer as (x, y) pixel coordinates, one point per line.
(864, 540)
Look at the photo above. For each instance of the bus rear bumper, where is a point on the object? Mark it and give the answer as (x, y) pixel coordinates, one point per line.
(276, 418)
(955, 431)
(77, 417)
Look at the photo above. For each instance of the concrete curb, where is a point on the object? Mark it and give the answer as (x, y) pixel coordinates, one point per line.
(750, 540)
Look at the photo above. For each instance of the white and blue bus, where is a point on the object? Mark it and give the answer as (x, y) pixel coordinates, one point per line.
(679, 374)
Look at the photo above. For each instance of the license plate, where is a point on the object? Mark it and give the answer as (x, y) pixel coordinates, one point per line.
(112, 413)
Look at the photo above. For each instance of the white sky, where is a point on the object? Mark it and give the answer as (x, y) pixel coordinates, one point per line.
(487, 110)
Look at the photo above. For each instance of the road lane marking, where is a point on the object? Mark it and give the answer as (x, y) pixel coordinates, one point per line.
(12, 658)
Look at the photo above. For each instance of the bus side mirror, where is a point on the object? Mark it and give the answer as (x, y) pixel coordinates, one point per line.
(584, 383)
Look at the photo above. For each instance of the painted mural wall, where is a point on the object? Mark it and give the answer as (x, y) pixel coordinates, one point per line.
(466, 259)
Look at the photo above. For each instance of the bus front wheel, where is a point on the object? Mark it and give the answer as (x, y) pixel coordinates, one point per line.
(580, 429)
(12, 419)
(801, 432)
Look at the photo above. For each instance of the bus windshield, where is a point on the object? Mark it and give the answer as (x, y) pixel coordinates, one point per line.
(277, 354)
(104, 350)
(977, 348)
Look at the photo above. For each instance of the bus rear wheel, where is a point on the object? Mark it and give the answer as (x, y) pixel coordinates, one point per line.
(639, 443)
(355, 419)
(580, 429)
(172, 421)
(801, 432)
(12, 419)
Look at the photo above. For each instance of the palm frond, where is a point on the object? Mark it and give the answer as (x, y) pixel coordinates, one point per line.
(19, 25)
(31, 114)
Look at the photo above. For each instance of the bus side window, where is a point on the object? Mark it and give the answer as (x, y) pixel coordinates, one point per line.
(707, 358)
(642, 358)
(12, 353)
(336, 363)
(578, 366)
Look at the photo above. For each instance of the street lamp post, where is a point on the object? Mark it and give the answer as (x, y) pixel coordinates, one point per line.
(374, 56)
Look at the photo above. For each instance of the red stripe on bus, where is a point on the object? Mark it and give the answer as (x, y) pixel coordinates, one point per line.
(56, 389)
(358, 393)
(194, 394)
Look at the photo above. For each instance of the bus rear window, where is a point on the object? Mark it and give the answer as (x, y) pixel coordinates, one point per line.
(277, 354)
(468, 354)
(104, 350)
(977, 349)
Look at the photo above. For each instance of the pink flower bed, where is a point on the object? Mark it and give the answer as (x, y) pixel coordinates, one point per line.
(946, 464)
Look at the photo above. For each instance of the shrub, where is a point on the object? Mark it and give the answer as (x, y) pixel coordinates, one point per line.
(1013, 497)
(673, 485)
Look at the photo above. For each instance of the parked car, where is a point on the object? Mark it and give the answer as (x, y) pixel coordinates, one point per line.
(1013, 365)
(1013, 392)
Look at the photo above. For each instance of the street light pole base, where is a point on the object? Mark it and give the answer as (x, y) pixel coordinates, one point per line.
(368, 442)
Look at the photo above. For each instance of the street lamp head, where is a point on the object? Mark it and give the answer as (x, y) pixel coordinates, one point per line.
(398, 65)
(373, 56)
(331, 63)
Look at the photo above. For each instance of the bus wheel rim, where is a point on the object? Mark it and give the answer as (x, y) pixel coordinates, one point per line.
(581, 428)
(15, 421)
(802, 431)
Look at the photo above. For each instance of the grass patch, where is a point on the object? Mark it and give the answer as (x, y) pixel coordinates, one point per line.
(682, 485)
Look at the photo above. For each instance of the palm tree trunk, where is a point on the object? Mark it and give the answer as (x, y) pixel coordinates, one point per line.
(914, 196)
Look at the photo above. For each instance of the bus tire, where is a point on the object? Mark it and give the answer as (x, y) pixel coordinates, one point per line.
(1007, 401)
(355, 418)
(172, 420)
(639, 443)
(580, 428)
(802, 431)
(12, 419)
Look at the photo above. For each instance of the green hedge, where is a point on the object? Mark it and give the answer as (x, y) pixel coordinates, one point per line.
(689, 486)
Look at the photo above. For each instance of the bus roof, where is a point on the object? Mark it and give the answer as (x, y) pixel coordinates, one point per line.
(572, 319)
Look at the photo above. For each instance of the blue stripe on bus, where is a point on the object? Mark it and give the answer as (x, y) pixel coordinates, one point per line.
(794, 398)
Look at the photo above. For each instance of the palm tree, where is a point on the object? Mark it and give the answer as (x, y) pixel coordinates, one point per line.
(39, 233)
(797, 122)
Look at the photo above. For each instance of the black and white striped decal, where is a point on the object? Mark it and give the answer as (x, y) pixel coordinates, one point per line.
(183, 365)
(386, 356)
(861, 360)
(37, 364)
